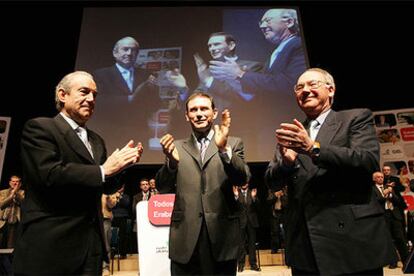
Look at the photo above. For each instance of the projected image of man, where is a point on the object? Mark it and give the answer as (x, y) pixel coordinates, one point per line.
(129, 96)
(226, 93)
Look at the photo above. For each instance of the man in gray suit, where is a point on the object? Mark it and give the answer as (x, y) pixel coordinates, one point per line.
(335, 225)
(204, 234)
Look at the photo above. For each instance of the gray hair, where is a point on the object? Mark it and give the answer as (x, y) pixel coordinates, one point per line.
(328, 77)
(116, 46)
(286, 14)
(66, 84)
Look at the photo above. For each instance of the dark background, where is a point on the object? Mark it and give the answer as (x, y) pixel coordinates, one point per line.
(365, 45)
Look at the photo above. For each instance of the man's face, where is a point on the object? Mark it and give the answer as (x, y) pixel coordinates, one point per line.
(313, 94)
(126, 52)
(79, 101)
(14, 182)
(144, 185)
(152, 183)
(386, 170)
(378, 178)
(218, 47)
(273, 27)
(200, 114)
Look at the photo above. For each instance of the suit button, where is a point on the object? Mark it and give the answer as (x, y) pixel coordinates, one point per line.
(341, 224)
(200, 214)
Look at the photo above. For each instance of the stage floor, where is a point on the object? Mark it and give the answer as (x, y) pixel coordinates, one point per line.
(268, 271)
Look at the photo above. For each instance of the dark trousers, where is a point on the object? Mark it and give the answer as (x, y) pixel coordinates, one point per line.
(124, 241)
(396, 228)
(202, 261)
(276, 231)
(93, 261)
(248, 240)
(377, 272)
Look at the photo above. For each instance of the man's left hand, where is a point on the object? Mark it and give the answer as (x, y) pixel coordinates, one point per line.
(294, 136)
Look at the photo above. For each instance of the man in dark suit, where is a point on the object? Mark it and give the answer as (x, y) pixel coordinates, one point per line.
(335, 225)
(129, 96)
(248, 205)
(66, 171)
(394, 206)
(391, 180)
(205, 231)
(272, 86)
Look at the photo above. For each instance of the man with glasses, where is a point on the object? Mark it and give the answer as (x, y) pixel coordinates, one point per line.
(335, 225)
(281, 28)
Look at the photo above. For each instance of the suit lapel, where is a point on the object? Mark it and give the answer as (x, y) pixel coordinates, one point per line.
(97, 147)
(328, 129)
(211, 150)
(119, 80)
(72, 139)
(190, 146)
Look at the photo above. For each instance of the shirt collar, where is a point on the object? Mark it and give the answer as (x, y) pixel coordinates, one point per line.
(74, 125)
(322, 117)
(122, 69)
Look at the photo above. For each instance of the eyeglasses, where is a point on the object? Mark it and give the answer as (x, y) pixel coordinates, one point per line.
(313, 84)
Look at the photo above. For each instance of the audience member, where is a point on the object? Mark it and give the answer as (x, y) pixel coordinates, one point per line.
(153, 187)
(332, 211)
(143, 195)
(278, 203)
(248, 205)
(121, 215)
(205, 232)
(391, 180)
(108, 202)
(65, 171)
(10, 201)
(394, 206)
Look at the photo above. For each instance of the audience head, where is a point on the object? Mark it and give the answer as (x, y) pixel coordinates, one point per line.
(15, 182)
(386, 170)
(144, 185)
(75, 96)
(152, 184)
(378, 178)
(126, 51)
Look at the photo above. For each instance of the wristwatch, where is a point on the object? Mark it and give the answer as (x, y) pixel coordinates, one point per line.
(315, 149)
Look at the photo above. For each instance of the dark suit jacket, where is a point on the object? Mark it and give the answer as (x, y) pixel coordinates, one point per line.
(397, 202)
(204, 190)
(225, 93)
(248, 209)
(110, 81)
(282, 75)
(63, 191)
(113, 107)
(335, 224)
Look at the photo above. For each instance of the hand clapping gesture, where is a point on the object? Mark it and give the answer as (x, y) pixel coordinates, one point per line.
(222, 131)
(170, 151)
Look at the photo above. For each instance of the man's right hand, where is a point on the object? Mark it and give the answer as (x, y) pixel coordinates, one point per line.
(202, 69)
(121, 158)
(169, 149)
